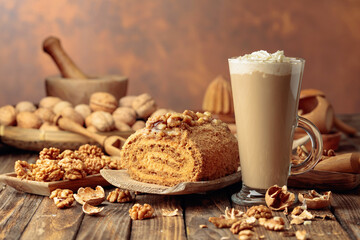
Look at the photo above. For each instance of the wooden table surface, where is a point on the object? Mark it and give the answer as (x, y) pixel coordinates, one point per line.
(26, 216)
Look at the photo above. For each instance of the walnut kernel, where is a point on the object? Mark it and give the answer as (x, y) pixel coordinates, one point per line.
(259, 211)
(139, 212)
(119, 195)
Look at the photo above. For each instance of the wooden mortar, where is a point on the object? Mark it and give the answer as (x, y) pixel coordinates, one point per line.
(73, 85)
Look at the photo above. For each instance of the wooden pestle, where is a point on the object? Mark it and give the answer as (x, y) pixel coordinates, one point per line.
(67, 67)
(346, 163)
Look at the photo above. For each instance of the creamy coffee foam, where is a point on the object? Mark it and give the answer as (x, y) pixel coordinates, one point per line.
(262, 61)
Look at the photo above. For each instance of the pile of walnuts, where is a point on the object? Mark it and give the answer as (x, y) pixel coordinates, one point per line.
(103, 113)
(54, 165)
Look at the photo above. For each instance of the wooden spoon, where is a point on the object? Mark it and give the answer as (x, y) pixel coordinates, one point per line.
(67, 67)
(112, 144)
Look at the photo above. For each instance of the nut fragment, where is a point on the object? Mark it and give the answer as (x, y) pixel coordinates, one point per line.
(259, 211)
(232, 213)
(139, 212)
(63, 198)
(239, 226)
(170, 213)
(91, 210)
(315, 200)
(301, 235)
(278, 198)
(274, 224)
(90, 196)
(220, 222)
(246, 234)
(119, 195)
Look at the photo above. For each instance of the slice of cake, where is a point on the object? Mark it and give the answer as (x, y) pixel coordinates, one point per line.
(176, 147)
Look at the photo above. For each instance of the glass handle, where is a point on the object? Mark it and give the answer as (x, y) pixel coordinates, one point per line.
(316, 147)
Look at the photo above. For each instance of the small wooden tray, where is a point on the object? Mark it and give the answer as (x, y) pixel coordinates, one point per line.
(36, 140)
(121, 179)
(45, 188)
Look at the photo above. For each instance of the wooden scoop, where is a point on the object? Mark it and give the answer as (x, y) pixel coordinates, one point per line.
(112, 144)
(67, 67)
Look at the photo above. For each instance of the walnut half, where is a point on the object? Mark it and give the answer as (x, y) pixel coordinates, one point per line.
(314, 200)
(140, 212)
(279, 198)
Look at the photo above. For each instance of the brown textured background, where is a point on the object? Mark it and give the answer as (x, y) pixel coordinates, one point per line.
(173, 49)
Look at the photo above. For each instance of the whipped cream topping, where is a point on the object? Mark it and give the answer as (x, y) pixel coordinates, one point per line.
(271, 63)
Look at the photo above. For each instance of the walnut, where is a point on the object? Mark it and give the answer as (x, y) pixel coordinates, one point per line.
(315, 200)
(83, 109)
(49, 102)
(70, 113)
(63, 198)
(161, 111)
(90, 150)
(7, 115)
(74, 168)
(45, 114)
(25, 106)
(125, 115)
(220, 222)
(301, 235)
(274, 224)
(91, 210)
(232, 213)
(139, 124)
(28, 120)
(71, 154)
(46, 126)
(144, 105)
(121, 126)
(278, 198)
(49, 153)
(47, 171)
(119, 195)
(90, 196)
(23, 170)
(239, 226)
(126, 101)
(246, 234)
(93, 165)
(139, 212)
(111, 162)
(60, 106)
(259, 211)
(102, 121)
(103, 101)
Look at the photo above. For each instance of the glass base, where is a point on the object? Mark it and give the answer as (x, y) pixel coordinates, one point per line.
(249, 196)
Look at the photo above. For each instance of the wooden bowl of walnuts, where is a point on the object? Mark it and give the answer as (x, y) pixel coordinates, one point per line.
(78, 91)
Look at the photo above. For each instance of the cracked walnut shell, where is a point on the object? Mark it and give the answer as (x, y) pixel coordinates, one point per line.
(314, 200)
(91, 210)
(278, 198)
(140, 212)
(90, 196)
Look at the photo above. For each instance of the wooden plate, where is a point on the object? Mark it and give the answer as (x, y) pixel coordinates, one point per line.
(36, 140)
(45, 188)
(121, 179)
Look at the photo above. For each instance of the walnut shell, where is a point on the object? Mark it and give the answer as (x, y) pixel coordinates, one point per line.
(278, 198)
(70, 113)
(49, 102)
(45, 114)
(7, 115)
(121, 126)
(126, 101)
(103, 101)
(46, 126)
(83, 109)
(218, 97)
(125, 115)
(102, 121)
(314, 200)
(91, 210)
(28, 120)
(60, 106)
(25, 106)
(138, 125)
(144, 105)
(90, 196)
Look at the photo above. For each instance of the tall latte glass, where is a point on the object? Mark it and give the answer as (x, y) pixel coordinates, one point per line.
(266, 96)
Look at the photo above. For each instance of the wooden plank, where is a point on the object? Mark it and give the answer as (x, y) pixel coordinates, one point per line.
(16, 210)
(346, 207)
(49, 222)
(112, 223)
(159, 227)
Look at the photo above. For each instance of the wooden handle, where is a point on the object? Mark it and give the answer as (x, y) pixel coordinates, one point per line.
(69, 125)
(344, 127)
(67, 67)
(346, 163)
